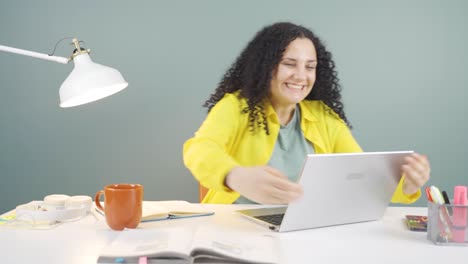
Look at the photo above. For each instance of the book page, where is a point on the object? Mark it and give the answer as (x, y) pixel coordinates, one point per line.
(154, 211)
(234, 246)
(150, 211)
(178, 209)
(161, 210)
(152, 243)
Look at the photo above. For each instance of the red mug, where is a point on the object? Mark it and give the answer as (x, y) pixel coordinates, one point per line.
(123, 205)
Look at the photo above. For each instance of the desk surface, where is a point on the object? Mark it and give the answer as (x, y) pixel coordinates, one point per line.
(387, 240)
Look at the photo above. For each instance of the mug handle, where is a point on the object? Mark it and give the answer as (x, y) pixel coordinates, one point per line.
(97, 198)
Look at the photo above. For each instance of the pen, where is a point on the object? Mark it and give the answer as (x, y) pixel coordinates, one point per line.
(428, 194)
(436, 195)
(460, 202)
(443, 214)
(447, 202)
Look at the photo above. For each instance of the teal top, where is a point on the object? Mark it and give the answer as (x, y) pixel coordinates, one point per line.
(289, 152)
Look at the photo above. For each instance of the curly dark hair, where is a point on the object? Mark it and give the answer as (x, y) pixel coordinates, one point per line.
(252, 71)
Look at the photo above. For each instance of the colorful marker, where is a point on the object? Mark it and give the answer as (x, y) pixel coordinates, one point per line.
(460, 202)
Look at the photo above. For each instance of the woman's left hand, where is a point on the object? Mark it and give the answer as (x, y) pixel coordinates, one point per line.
(416, 171)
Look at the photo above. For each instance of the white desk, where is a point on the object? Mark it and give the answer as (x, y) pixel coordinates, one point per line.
(384, 241)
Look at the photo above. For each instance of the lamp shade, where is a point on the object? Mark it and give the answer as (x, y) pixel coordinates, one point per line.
(89, 82)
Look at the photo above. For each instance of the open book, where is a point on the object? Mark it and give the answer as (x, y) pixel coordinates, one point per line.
(164, 210)
(183, 245)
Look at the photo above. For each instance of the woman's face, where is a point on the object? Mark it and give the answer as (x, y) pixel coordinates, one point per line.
(295, 74)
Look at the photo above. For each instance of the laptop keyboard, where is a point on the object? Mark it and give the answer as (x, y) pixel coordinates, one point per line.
(274, 219)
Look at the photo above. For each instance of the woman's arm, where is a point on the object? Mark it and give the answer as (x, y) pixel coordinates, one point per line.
(206, 154)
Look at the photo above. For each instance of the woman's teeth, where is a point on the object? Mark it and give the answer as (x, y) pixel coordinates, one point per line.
(294, 86)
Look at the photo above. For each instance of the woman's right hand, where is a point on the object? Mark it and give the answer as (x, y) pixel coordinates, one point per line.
(263, 184)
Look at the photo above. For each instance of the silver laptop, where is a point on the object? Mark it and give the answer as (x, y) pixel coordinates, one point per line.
(338, 189)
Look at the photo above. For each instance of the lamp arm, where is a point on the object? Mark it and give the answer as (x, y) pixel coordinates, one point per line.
(43, 56)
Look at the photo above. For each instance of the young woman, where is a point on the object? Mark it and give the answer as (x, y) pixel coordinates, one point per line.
(279, 101)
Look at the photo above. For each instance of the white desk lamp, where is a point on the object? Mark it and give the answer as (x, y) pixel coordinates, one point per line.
(87, 82)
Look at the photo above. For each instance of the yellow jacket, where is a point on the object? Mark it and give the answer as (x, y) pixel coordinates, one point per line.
(225, 141)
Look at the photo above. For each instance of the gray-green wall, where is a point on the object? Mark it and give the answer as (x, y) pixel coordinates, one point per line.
(403, 67)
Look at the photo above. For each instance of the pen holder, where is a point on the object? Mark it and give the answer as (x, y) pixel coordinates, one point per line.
(447, 224)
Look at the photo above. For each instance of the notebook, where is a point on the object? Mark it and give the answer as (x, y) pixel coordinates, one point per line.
(168, 210)
(338, 189)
